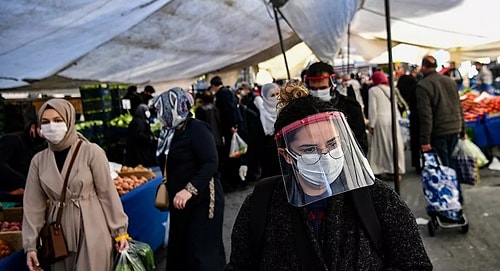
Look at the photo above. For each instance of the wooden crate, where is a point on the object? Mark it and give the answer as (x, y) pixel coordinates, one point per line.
(13, 239)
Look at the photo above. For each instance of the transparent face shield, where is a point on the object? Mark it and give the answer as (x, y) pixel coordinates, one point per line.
(320, 158)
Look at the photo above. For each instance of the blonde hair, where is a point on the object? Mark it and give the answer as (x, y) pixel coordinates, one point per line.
(292, 90)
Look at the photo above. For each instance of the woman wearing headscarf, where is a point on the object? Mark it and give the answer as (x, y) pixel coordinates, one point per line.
(141, 143)
(92, 218)
(186, 148)
(380, 154)
(268, 157)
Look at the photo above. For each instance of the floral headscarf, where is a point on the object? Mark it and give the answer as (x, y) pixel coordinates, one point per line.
(172, 107)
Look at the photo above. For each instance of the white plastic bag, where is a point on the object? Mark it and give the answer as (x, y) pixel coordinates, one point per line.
(238, 146)
(465, 147)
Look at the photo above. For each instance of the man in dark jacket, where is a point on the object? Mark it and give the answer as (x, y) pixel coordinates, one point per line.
(319, 80)
(439, 110)
(141, 143)
(16, 151)
(231, 122)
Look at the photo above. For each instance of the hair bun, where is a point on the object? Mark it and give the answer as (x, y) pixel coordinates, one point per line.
(292, 90)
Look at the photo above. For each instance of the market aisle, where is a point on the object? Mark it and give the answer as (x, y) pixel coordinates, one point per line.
(448, 249)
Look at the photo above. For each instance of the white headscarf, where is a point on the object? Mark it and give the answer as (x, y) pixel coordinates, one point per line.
(268, 113)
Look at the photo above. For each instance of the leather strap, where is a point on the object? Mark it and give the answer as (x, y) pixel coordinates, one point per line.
(60, 206)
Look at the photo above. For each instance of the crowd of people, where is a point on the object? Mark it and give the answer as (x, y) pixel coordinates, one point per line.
(318, 148)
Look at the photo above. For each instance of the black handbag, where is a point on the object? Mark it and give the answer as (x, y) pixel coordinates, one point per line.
(51, 243)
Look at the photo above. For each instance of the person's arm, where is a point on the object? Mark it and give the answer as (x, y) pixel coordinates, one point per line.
(11, 178)
(372, 110)
(116, 218)
(424, 110)
(203, 145)
(402, 246)
(34, 203)
(241, 256)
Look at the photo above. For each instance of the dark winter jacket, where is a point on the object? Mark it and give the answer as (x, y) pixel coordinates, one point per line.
(354, 115)
(439, 108)
(342, 245)
(141, 143)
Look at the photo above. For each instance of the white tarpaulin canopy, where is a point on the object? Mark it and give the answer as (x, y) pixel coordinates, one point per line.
(147, 41)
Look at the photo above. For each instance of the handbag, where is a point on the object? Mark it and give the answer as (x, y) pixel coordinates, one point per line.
(162, 201)
(51, 243)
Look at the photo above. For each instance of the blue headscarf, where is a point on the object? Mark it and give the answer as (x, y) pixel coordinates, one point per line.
(172, 107)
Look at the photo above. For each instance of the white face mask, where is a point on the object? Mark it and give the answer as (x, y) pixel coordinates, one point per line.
(323, 94)
(148, 114)
(54, 132)
(323, 172)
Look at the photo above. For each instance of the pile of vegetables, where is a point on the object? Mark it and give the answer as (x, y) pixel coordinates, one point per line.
(476, 106)
(10, 226)
(125, 184)
(4, 249)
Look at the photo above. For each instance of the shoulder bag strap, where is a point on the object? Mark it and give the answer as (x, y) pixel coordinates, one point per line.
(60, 205)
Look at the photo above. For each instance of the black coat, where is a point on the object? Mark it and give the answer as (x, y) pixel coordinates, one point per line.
(195, 241)
(342, 243)
(141, 143)
(16, 151)
(354, 115)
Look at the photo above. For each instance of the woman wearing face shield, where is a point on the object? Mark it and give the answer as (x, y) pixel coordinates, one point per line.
(312, 221)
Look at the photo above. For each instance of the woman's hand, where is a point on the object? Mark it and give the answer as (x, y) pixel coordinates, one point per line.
(32, 261)
(181, 199)
(121, 245)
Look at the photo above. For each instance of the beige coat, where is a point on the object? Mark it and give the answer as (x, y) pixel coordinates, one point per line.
(93, 213)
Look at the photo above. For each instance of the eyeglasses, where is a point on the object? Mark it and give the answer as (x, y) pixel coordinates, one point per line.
(318, 88)
(311, 154)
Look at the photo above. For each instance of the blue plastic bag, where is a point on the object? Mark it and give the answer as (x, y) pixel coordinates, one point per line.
(440, 188)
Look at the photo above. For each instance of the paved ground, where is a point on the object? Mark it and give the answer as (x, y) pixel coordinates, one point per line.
(479, 249)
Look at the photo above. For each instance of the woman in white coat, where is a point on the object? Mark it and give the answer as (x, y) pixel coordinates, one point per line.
(93, 219)
(380, 154)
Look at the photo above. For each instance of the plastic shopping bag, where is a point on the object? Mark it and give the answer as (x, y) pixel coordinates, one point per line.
(440, 188)
(138, 257)
(128, 262)
(238, 146)
(465, 147)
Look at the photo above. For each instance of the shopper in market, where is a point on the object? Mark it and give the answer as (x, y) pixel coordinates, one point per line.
(319, 80)
(147, 94)
(440, 113)
(231, 122)
(407, 85)
(16, 151)
(93, 217)
(133, 97)
(380, 154)
(329, 213)
(267, 157)
(186, 149)
(141, 143)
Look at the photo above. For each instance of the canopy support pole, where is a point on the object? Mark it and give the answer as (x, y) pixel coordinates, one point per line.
(281, 41)
(349, 49)
(393, 98)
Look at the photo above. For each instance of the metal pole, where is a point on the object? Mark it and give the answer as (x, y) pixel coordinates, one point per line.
(393, 98)
(348, 49)
(281, 41)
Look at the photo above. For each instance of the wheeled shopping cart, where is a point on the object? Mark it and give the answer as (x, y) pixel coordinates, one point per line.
(441, 191)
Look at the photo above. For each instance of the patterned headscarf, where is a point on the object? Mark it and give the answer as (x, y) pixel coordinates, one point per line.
(172, 107)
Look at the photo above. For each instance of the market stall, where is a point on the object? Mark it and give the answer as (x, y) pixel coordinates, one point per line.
(482, 117)
(146, 223)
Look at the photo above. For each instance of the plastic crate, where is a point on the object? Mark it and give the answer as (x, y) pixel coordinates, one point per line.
(96, 105)
(477, 132)
(95, 92)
